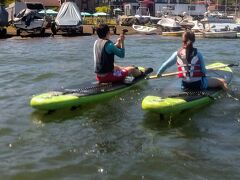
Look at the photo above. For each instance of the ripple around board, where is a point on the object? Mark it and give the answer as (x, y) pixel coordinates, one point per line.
(5, 131)
(44, 77)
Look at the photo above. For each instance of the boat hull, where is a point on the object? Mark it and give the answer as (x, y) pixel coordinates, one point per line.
(145, 29)
(173, 33)
(221, 34)
(238, 35)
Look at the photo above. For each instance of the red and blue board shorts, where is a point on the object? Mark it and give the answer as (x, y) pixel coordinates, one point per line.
(115, 76)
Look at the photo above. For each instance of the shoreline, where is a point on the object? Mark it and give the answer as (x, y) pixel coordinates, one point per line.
(87, 30)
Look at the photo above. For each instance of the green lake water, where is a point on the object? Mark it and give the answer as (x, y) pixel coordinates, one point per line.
(114, 139)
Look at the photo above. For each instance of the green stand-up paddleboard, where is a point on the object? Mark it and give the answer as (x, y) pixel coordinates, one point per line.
(190, 99)
(83, 94)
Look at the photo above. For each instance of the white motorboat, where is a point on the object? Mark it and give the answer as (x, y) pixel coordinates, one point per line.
(220, 30)
(238, 35)
(223, 26)
(173, 33)
(217, 17)
(145, 29)
(220, 34)
(215, 30)
(29, 19)
(169, 24)
(198, 27)
(68, 20)
(142, 15)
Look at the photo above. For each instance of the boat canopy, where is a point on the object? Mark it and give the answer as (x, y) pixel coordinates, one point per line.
(69, 15)
(3, 17)
(28, 16)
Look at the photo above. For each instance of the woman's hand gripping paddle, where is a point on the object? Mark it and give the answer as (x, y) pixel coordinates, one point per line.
(120, 40)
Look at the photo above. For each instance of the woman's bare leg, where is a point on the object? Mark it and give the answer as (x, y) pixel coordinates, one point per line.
(133, 71)
(214, 82)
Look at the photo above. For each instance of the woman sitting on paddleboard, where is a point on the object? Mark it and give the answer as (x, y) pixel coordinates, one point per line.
(191, 67)
(104, 51)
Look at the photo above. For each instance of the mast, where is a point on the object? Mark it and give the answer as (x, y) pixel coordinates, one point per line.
(225, 6)
(236, 6)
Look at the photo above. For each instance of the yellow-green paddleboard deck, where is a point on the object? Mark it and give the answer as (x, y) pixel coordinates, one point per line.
(187, 100)
(85, 93)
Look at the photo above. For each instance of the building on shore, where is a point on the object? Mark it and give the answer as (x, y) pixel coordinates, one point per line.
(179, 7)
(46, 3)
(174, 7)
(84, 5)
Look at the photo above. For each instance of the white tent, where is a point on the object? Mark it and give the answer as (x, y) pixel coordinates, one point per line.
(69, 15)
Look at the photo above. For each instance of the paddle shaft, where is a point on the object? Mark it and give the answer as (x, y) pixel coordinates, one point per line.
(176, 73)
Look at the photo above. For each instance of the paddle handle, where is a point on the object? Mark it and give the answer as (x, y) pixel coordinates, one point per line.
(176, 73)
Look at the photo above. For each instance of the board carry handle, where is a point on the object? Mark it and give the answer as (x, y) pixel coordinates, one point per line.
(176, 73)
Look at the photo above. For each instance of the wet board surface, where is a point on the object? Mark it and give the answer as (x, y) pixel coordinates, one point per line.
(174, 99)
(94, 87)
(82, 94)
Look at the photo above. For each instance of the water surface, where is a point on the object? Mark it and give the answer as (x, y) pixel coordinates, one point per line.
(114, 139)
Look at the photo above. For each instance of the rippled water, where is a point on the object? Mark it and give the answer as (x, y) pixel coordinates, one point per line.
(114, 139)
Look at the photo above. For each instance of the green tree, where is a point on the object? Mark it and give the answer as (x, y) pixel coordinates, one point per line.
(7, 2)
(2, 2)
(102, 9)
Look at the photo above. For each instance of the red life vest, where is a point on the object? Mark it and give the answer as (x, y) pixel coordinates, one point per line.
(185, 69)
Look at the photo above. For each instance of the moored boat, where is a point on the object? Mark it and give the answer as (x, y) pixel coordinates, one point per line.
(169, 24)
(199, 34)
(145, 29)
(220, 34)
(68, 19)
(172, 33)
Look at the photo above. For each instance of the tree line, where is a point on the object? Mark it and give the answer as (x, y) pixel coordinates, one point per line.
(7, 2)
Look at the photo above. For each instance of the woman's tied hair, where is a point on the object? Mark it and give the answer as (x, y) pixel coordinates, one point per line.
(188, 40)
(189, 37)
(102, 30)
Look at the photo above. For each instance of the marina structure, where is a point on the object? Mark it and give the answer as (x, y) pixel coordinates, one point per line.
(86, 5)
(173, 7)
(156, 7)
(179, 7)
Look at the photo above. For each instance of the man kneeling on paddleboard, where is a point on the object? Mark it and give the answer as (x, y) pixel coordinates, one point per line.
(104, 51)
(191, 66)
